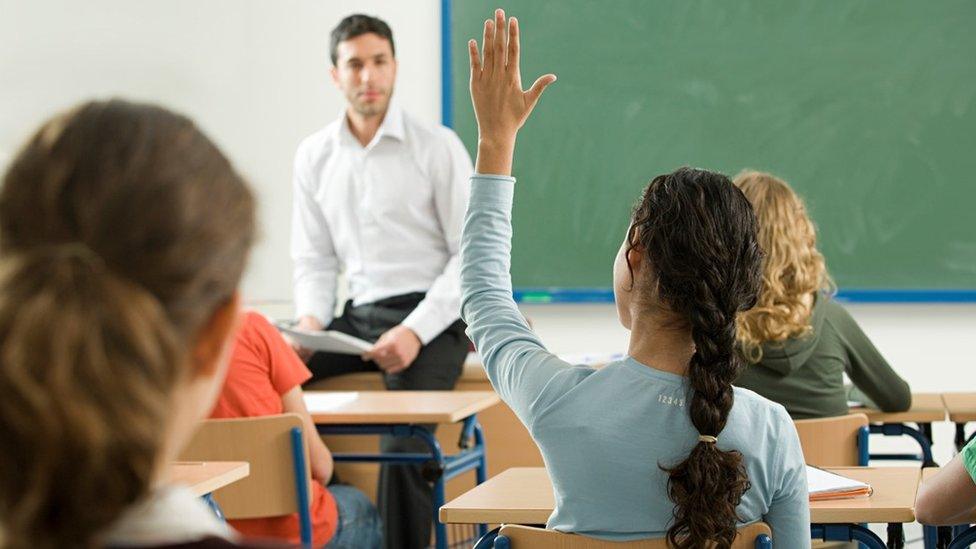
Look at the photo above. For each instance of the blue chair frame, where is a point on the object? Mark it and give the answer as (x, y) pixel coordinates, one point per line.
(301, 488)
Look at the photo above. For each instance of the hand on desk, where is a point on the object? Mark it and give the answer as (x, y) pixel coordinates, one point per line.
(395, 350)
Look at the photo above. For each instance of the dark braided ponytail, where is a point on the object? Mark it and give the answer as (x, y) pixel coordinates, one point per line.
(698, 232)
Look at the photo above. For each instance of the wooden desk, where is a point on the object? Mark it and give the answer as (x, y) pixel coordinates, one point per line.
(404, 407)
(893, 499)
(204, 477)
(962, 409)
(524, 495)
(926, 408)
(406, 414)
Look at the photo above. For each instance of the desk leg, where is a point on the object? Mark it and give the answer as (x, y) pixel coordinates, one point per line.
(481, 473)
(931, 537)
(896, 535)
(437, 456)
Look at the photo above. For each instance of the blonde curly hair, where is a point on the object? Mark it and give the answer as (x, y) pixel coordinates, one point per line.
(793, 269)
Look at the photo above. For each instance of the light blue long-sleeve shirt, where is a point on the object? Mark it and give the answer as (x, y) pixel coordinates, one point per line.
(604, 433)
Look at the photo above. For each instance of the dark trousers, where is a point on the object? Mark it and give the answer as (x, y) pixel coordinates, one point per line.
(404, 496)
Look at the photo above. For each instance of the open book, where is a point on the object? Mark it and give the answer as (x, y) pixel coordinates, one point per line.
(824, 485)
(330, 341)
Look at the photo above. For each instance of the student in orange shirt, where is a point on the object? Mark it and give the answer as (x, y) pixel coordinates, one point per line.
(265, 378)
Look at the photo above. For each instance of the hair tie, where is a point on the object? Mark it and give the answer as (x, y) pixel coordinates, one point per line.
(707, 438)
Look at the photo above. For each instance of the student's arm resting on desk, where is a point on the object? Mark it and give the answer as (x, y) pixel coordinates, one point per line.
(868, 369)
(789, 512)
(949, 498)
(312, 251)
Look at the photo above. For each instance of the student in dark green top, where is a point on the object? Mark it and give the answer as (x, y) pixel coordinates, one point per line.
(798, 342)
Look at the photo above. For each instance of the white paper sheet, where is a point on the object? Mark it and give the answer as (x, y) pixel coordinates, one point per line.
(824, 482)
(330, 341)
(325, 401)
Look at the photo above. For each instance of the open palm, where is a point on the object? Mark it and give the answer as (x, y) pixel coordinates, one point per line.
(500, 105)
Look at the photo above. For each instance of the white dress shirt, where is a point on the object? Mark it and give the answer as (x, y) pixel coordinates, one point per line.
(388, 215)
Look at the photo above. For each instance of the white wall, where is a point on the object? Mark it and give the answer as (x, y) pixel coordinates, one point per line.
(254, 74)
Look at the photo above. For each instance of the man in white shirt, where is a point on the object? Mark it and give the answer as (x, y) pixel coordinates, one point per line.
(381, 196)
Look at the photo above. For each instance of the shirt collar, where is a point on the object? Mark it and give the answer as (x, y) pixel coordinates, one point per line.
(169, 515)
(392, 126)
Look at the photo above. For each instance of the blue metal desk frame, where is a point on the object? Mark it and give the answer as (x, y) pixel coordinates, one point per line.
(922, 435)
(439, 468)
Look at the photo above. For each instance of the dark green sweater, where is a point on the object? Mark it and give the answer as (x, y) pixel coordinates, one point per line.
(806, 374)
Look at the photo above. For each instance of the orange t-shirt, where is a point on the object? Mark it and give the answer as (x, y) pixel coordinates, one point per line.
(262, 368)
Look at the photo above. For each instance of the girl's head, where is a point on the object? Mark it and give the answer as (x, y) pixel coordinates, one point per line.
(123, 235)
(691, 260)
(793, 270)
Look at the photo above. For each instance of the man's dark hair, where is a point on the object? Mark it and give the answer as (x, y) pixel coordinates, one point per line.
(356, 25)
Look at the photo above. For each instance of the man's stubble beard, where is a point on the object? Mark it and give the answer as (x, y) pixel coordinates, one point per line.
(370, 110)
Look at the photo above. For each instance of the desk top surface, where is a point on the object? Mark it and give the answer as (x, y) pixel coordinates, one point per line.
(961, 406)
(203, 477)
(523, 495)
(363, 407)
(926, 408)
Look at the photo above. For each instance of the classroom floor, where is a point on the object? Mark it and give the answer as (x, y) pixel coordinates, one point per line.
(942, 451)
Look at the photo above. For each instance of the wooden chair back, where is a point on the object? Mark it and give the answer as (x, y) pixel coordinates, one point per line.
(834, 441)
(266, 444)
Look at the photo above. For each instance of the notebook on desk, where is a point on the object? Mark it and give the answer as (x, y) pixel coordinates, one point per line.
(824, 485)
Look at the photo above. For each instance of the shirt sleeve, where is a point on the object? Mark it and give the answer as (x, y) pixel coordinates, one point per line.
(526, 376)
(316, 266)
(441, 306)
(867, 368)
(789, 512)
(969, 458)
(285, 369)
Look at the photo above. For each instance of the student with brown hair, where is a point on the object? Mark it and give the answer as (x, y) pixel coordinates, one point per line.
(124, 232)
(797, 340)
(659, 443)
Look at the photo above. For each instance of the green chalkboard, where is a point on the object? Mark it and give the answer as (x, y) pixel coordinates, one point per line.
(868, 108)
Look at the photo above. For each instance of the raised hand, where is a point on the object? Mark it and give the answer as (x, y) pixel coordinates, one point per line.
(500, 105)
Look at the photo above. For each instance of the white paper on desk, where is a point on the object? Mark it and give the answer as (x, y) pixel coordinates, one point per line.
(326, 401)
(823, 484)
(330, 341)
(855, 404)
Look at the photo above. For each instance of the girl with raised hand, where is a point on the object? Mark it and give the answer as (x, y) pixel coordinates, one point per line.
(799, 342)
(123, 235)
(659, 443)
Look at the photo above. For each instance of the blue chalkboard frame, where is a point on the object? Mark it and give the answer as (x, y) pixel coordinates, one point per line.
(605, 295)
